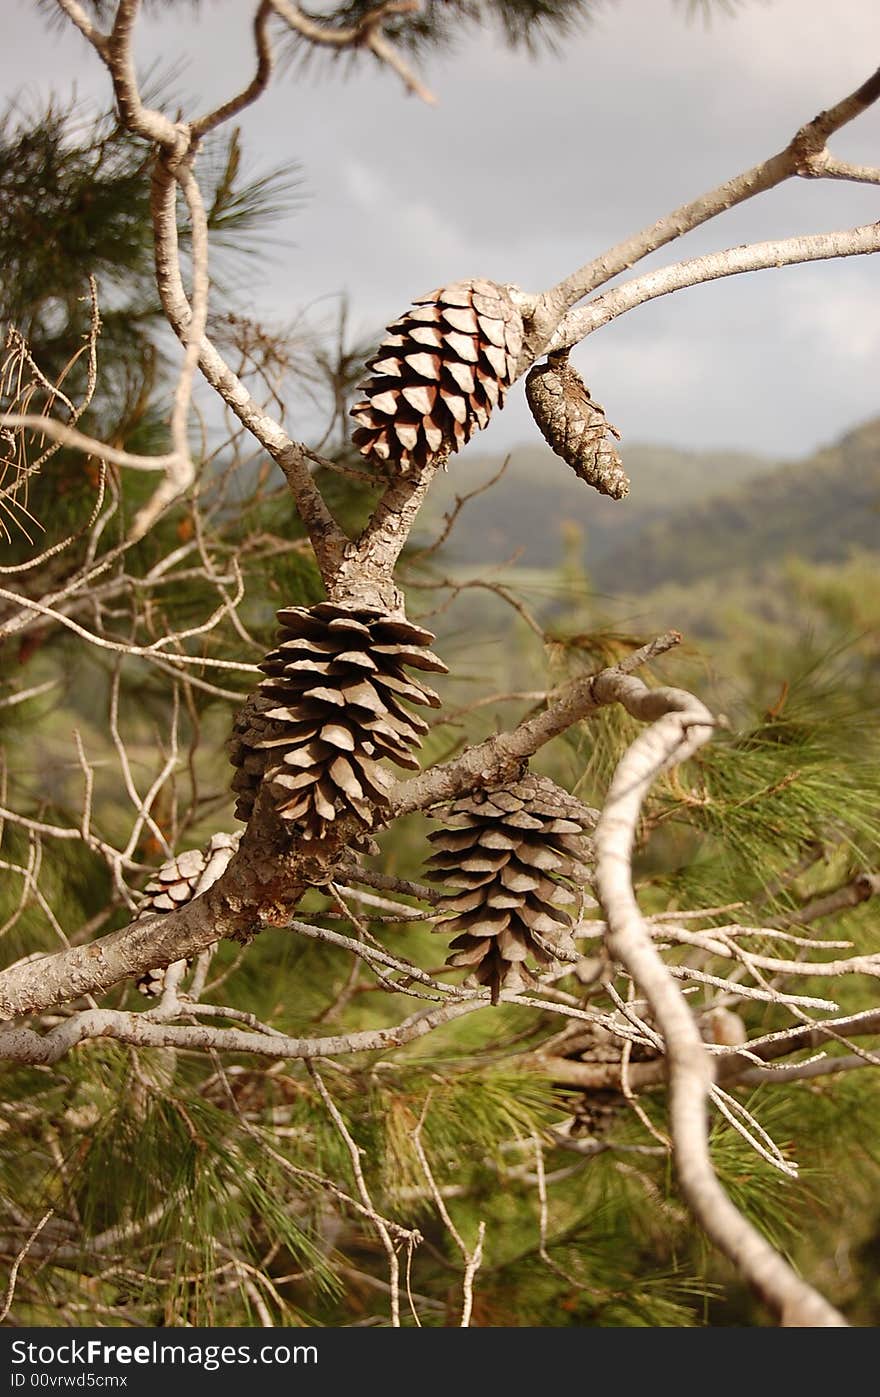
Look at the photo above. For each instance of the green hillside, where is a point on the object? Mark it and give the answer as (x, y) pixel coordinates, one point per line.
(691, 515)
(821, 509)
(538, 495)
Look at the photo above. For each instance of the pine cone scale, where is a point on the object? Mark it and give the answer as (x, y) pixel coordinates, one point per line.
(177, 882)
(438, 374)
(318, 745)
(504, 907)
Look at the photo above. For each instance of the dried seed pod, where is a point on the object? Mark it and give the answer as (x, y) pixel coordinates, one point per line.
(333, 705)
(574, 426)
(511, 861)
(438, 374)
(178, 881)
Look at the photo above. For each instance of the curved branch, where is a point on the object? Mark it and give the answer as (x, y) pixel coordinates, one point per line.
(142, 121)
(752, 257)
(78, 16)
(177, 142)
(681, 730)
(499, 756)
(328, 540)
(90, 446)
(366, 33)
(139, 1030)
(798, 158)
(257, 85)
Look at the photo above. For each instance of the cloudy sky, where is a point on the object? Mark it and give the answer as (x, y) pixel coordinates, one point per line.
(525, 169)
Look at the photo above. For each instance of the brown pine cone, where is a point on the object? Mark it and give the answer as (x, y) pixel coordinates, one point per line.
(178, 881)
(514, 857)
(332, 707)
(438, 374)
(575, 426)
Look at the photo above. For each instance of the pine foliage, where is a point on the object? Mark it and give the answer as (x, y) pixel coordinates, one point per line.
(183, 1189)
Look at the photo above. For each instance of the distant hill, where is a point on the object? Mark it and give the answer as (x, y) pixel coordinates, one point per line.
(819, 509)
(690, 515)
(539, 495)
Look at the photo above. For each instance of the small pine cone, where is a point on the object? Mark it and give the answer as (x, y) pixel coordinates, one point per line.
(438, 374)
(574, 426)
(512, 848)
(595, 1111)
(178, 881)
(152, 984)
(331, 708)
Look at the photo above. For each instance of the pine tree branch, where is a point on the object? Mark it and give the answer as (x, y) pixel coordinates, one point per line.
(366, 33)
(13, 1274)
(799, 157)
(78, 16)
(173, 169)
(472, 1257)
(802, 1071)
(146, 122)
(851, 894)
(89, 446)
(180, 476)
(257, 85)
(380, 1223)
(500, 756)
(824, 165)
(158, 648)
(19, 1044)
(328, 540)
(733, 261)
(266, 878)
(684, 726)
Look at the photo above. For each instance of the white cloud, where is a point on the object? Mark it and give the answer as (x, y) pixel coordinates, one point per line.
(843, 319)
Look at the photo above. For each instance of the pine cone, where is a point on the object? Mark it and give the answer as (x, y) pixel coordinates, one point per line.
(331, 708)
(516, 844)
(574, 426)
(438, 374)
(178, 881)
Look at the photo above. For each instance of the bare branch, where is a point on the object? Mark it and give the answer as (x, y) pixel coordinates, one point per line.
(141, 1030)
(500, 755)
(380, 1223)
(151, 125)
(13, 1274)
(783, 252)
(472, 1256)
(90, 446)
(791, 161)
(255, 88)
(851, 894)
(327, 538)
(121, 647)
(824, 165)
(388, 54)
(78, 16)
(684, 726)
(367, 33)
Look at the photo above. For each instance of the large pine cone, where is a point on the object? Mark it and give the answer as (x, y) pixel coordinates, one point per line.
(331, 708)
(517, 844)
(438, 374)
(179, 880)
(575, 426)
